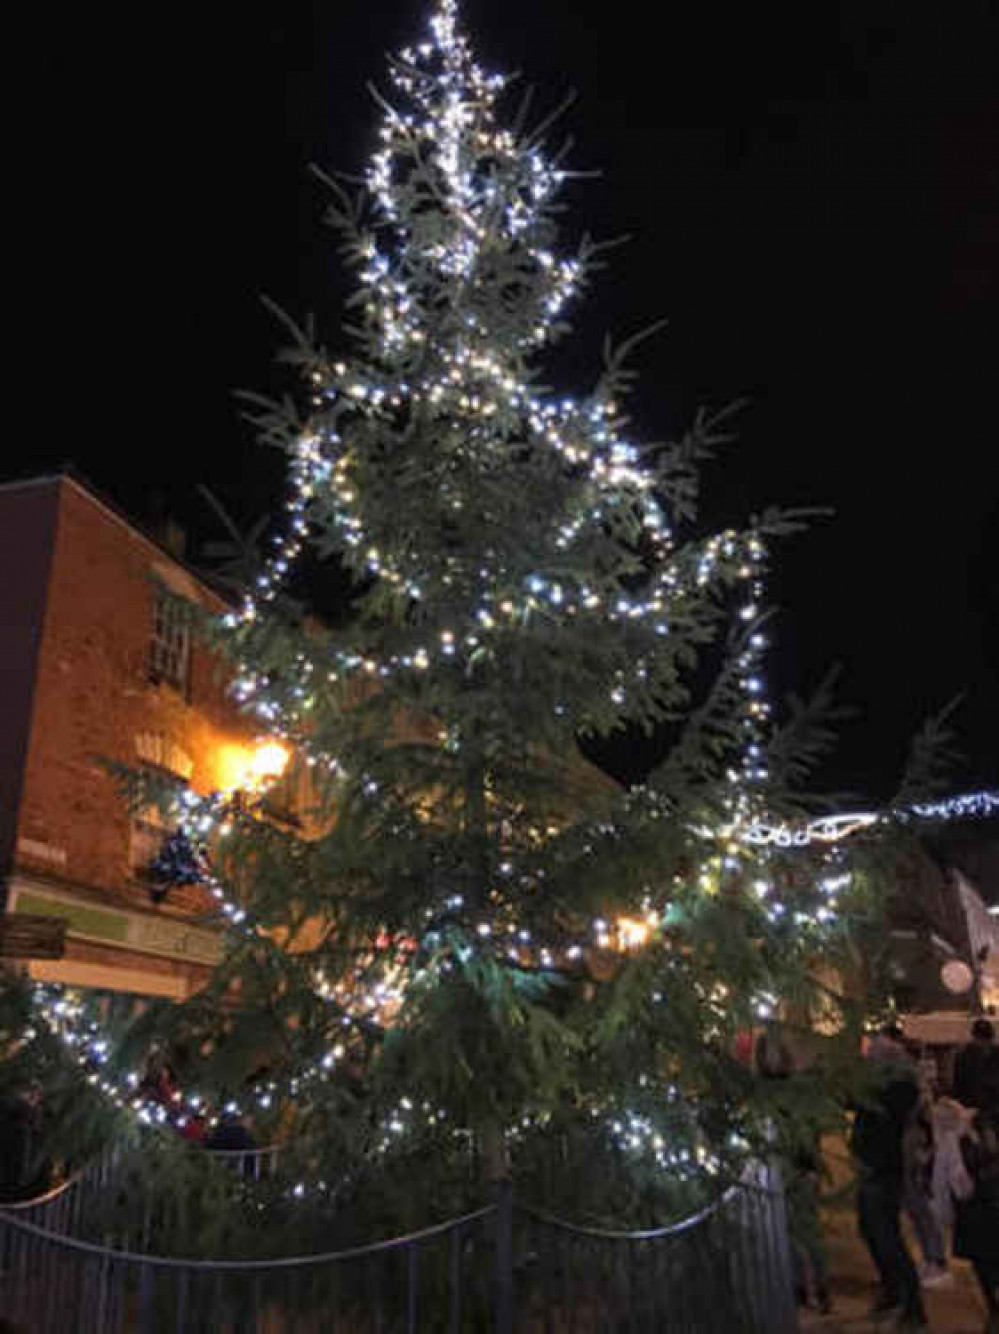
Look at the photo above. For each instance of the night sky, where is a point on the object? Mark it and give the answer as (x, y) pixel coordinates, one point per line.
(812, 193)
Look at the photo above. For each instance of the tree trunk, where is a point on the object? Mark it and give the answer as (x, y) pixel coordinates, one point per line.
(494, 1158)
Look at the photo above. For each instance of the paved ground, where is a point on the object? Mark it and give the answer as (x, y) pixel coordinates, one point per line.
(952, 1309)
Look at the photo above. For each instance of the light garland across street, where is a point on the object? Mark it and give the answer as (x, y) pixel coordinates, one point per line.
(835, 828)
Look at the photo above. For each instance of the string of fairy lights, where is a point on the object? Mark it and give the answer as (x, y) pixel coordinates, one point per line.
(64, 1012)
(451, 188)
(478, 386)
(472, 381)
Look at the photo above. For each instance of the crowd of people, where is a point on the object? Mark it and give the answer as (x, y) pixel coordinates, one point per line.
(923, 1148)
(226, 1134)
(27, 1169)
(934, 1157)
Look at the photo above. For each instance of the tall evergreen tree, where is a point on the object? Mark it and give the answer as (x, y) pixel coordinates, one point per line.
(478, 943)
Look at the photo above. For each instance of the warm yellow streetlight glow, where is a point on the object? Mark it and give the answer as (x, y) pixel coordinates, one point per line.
(632, 935)
(268, 763)
(243, 768)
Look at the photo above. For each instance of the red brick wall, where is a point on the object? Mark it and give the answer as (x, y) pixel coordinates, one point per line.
(92, 697)
(27, 528)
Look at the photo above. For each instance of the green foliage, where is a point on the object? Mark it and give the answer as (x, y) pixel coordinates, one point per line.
(442, 940)
(73, 1121)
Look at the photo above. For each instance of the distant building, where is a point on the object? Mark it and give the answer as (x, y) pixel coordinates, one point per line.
(970, 855)
(944, 939)
(95, 663)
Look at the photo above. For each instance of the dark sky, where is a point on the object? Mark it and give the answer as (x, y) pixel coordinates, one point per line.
(813, 196)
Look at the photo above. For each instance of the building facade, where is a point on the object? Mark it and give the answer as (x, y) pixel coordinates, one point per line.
(96, 665)
(944, 942)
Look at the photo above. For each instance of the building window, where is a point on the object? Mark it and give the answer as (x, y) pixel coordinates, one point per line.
(162, 857)
(160, 753)
(170, 646)
(149, 829)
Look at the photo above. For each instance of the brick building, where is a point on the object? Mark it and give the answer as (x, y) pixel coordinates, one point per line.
(94, 663)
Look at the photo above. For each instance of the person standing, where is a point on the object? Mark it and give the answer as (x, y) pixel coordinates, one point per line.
(976, 1069)
(877, 1145)
(976, 1231)
(157, 1083)
(231, 1137)
(918, 1152)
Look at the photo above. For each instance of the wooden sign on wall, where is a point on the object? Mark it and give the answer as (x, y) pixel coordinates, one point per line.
(29, 936)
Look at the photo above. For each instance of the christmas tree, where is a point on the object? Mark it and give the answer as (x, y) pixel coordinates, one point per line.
(476, 957)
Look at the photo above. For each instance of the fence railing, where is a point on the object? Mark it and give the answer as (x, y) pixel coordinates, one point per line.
(426, 1281)
(502, 1269)
(255, 1164)
(725, 1269)
(61, 1208)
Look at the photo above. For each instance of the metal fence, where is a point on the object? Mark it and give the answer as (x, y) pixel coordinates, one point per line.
(436, 1279)
(254, 1164)
(725, 1270)
(503, 1269)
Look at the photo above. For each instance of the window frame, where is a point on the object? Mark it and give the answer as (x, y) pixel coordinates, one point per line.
(168, 651)
(149, 822)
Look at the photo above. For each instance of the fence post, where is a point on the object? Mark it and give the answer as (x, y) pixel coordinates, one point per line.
(773, 1179)
(504, 1257)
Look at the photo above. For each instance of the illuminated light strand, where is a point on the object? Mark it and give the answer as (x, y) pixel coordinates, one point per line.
(613, 461)
(828, 829)
(489, 404)
(825, 830)
(979, 805)
(490, 619)
(627, 933)
(268, 582)
(633, 1132)
(64, 1017)
(468, 97)
(202, 817)
(835, 828)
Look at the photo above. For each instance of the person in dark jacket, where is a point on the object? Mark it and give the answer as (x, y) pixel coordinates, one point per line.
(229, 1136)
(878, 1130)
(976, 1230)
(232, 1138)
(918, 1152)
(976, 1069)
